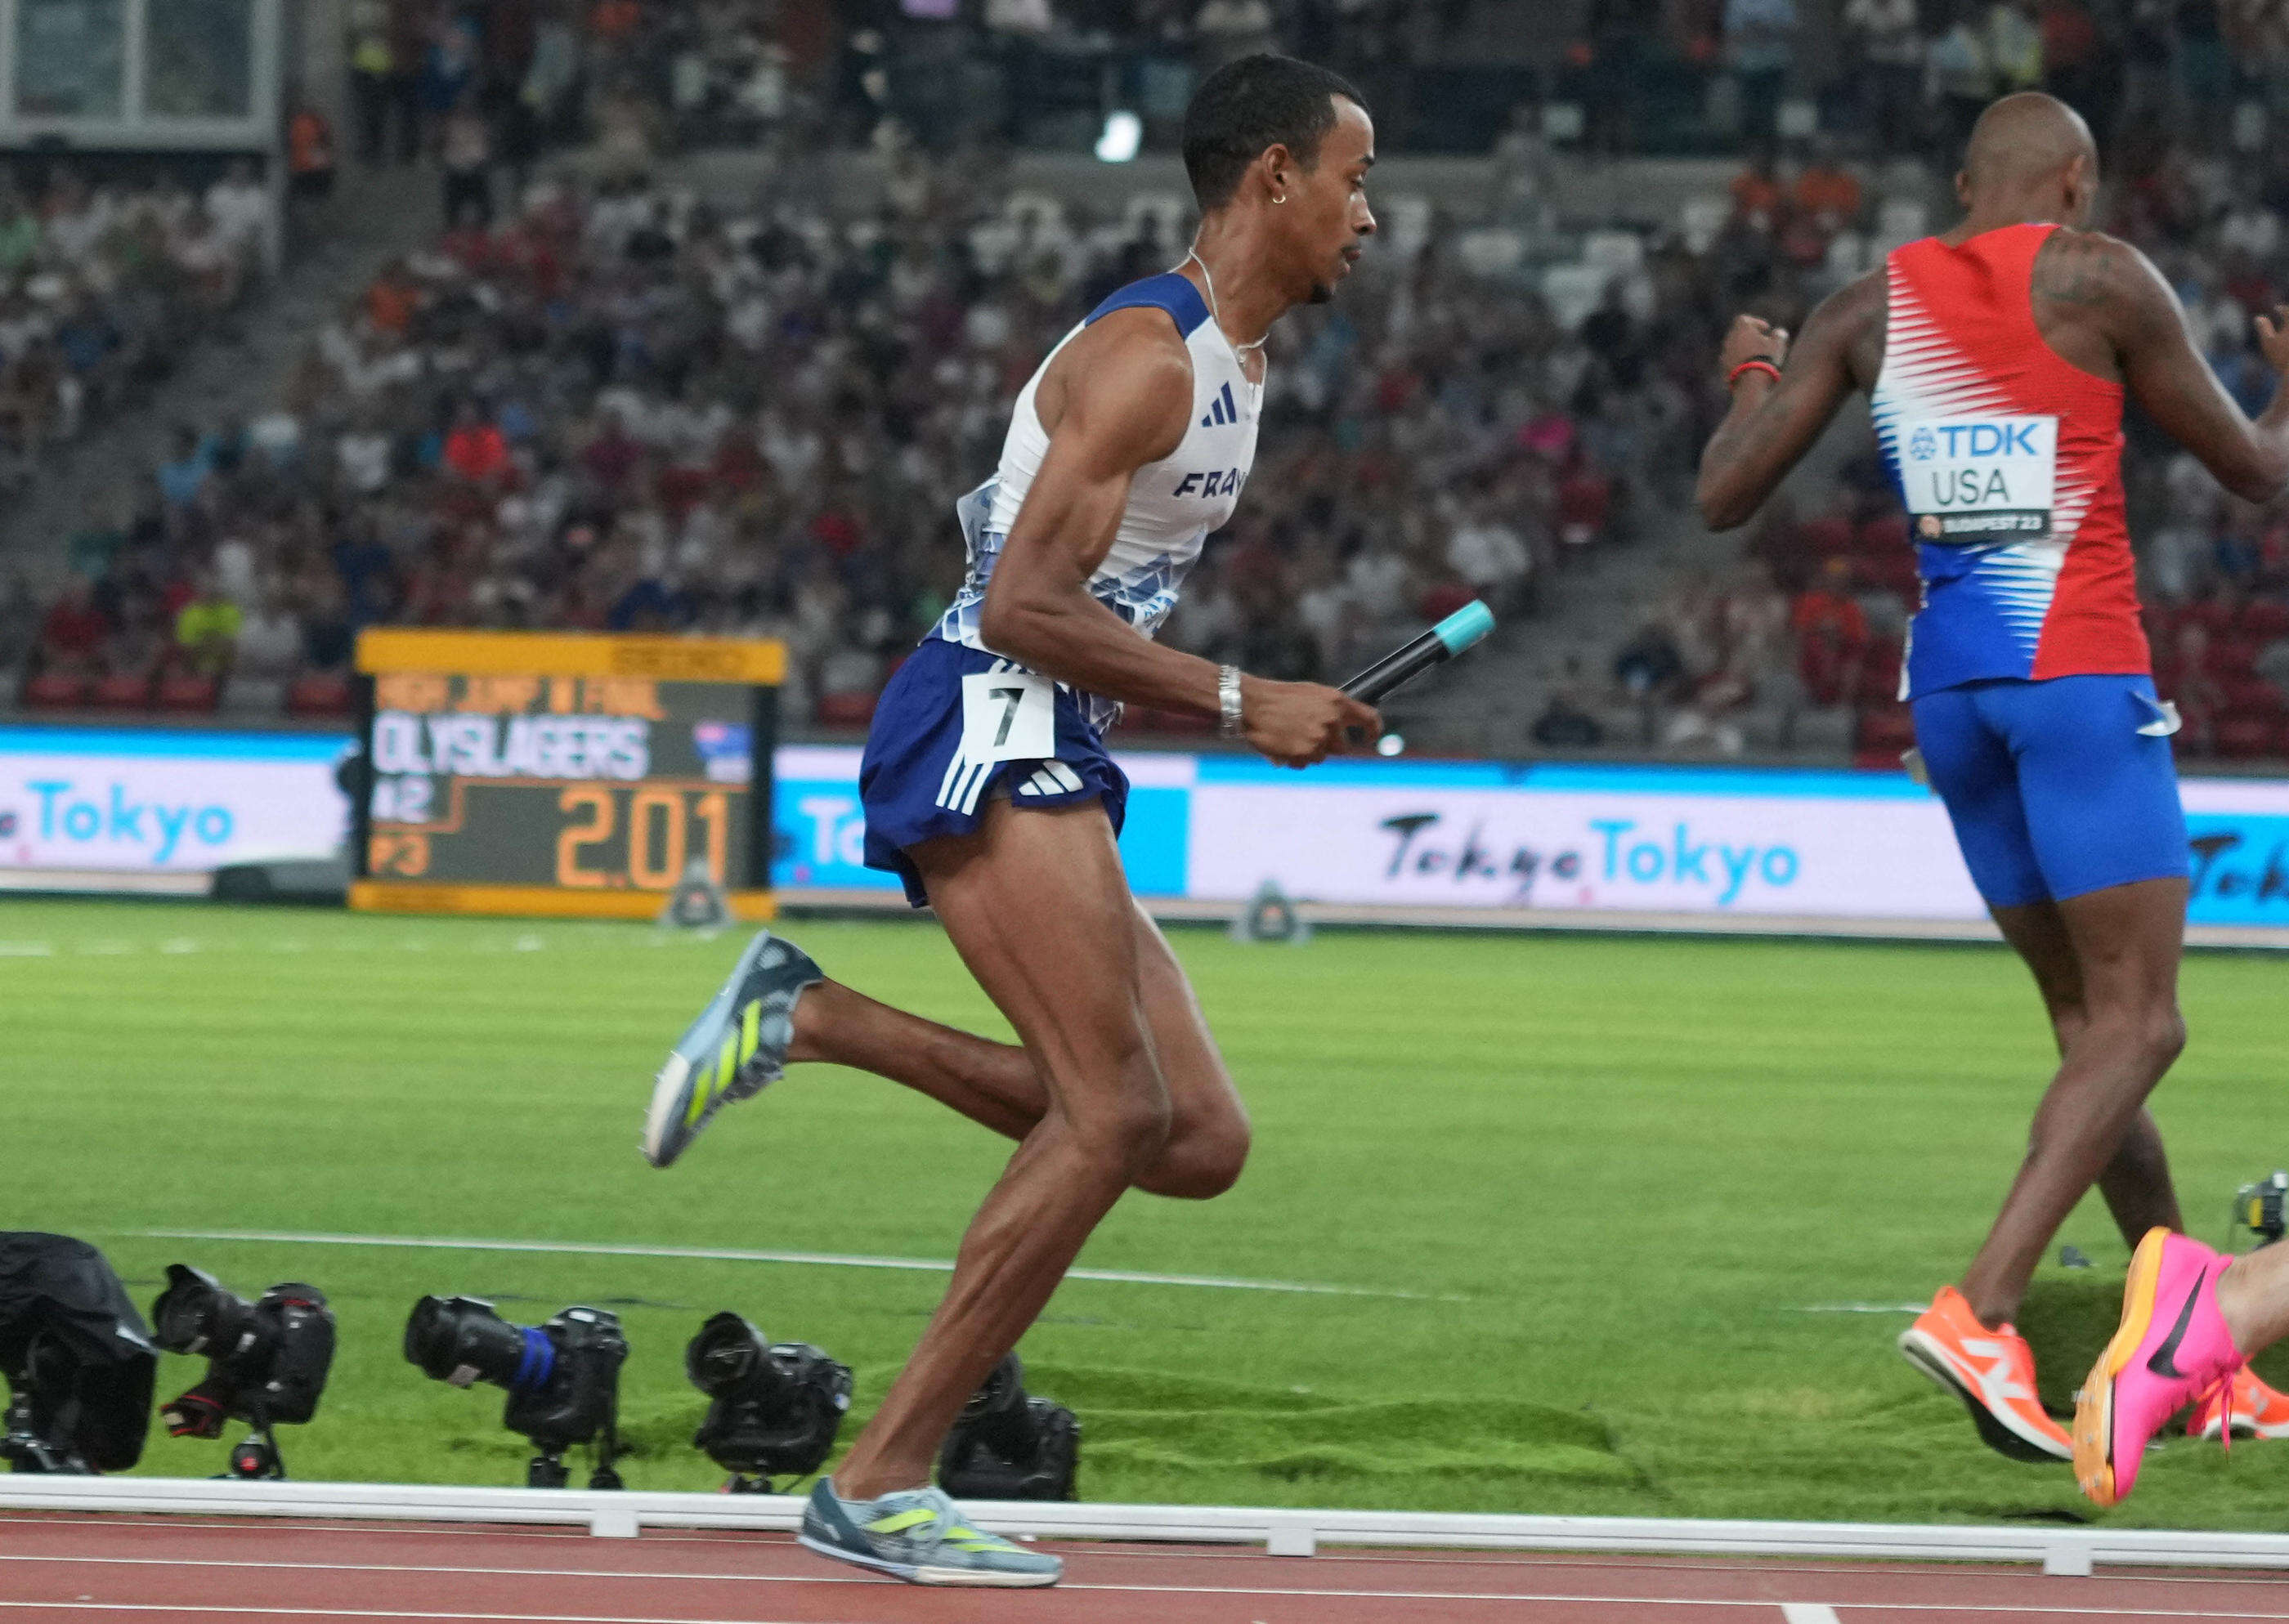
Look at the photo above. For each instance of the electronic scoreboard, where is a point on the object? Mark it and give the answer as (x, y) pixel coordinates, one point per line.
(513, 772)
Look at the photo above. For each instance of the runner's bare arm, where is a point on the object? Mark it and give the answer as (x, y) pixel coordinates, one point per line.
(2164, 368)
(1771, 423)
(1119, 398)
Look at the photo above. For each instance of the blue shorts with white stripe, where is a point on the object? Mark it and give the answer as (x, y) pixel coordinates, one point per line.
(917, 782)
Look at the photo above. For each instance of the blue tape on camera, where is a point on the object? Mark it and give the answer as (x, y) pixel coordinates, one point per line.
(539, 1363)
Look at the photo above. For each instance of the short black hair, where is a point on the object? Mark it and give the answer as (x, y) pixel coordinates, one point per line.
(1246, 106)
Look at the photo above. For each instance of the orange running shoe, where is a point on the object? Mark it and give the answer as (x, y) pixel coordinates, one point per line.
(1992, 1372)
(2257, 1411)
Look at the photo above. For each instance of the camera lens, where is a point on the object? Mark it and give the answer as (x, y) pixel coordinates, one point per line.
(461, 1340)
(728, 1359)
(193, 1314)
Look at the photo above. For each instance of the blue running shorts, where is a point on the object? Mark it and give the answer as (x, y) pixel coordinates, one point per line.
(938, 752)
(2055, 788)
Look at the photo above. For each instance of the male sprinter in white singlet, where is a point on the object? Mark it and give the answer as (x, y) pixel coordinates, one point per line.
(988, 789)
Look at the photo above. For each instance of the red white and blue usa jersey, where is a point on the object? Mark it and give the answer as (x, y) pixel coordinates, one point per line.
(2008, 459)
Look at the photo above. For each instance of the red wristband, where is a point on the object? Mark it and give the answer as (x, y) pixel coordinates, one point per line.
(1759, 365)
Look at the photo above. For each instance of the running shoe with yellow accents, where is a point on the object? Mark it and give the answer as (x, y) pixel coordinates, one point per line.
(1992, 1372)
(2255, 1410)
(920, 1536)
(737, 1047)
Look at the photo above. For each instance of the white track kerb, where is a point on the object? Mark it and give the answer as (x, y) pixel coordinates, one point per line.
(1284, 1533)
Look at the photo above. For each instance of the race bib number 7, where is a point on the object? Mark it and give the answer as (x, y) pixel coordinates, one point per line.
(1981, 480)
(1008, 716)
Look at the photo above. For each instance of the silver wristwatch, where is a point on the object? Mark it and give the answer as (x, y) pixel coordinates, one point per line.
(1229, 722)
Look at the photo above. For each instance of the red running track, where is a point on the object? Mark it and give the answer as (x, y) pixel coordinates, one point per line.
(67, 1569)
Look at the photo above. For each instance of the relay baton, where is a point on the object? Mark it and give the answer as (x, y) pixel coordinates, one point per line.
(1442, 642)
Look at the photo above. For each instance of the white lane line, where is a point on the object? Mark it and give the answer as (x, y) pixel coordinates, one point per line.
(27, 950)
(733, 1254)
(1793, 1612)
(1861, 1308)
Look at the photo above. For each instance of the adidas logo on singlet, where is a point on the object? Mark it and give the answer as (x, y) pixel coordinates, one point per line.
(1222, 412)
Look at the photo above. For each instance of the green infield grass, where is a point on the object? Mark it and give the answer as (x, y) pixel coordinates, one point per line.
(1631, 1220)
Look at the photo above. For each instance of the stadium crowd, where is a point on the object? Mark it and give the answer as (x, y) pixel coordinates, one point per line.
(621, 409)
(102, 286)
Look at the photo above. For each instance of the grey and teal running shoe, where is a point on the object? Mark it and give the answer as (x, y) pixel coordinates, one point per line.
(737, 1047)
(922, 1537)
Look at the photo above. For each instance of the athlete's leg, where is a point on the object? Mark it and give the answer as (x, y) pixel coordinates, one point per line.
(996, 1084)
(993, 1084)
(2102, 815)
(1037, 906)
(1208, 1128)
(2253, 1295)
(2125, 940)
(2136, 1180)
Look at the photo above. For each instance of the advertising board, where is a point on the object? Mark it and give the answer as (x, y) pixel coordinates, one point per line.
(154, 801)
(1682, 842)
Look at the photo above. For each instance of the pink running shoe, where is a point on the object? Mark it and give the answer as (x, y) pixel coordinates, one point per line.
(2171, 1350)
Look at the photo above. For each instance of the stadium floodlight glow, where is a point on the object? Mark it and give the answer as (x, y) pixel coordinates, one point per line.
(1007, 1445)
(1124, 134)
(267, 1361)
(563, 1378)
(775, 1409)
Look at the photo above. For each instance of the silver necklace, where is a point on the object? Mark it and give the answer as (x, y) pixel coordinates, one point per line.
(1216, 315)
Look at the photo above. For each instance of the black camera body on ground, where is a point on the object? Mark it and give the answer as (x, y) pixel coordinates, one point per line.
(775, 1409)
(1007, 1444)
(76, 1358)
(563, 1377)
(266, 1360)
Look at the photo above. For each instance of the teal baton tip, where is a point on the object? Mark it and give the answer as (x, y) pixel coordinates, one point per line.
(1465, 626)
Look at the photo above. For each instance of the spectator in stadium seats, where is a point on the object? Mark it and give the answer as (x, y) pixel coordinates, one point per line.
(372, 65)
(1760, 46)
(1828, 606)
(72, 632)
(449, 64)
(328, 637)
(476, 450)
(2271, 663)
(1959, 70)
(184, 475)
(270, 640)
(464, 153)
(1883, 49)
(2074, 69)
(309, 156)
(1567, 722)
(139, 641)
(2014, 45)
(392, 299)
(239, 205)
(19, 232)
(2186, 675)
(1226, 30)
(206, 630)
(1489, 555)
(1758, 194)
(208, 262)
(1824, 191)
(20, 620)
(1650, 664)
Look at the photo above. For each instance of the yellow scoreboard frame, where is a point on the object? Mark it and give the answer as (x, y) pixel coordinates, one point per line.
(564, 774)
